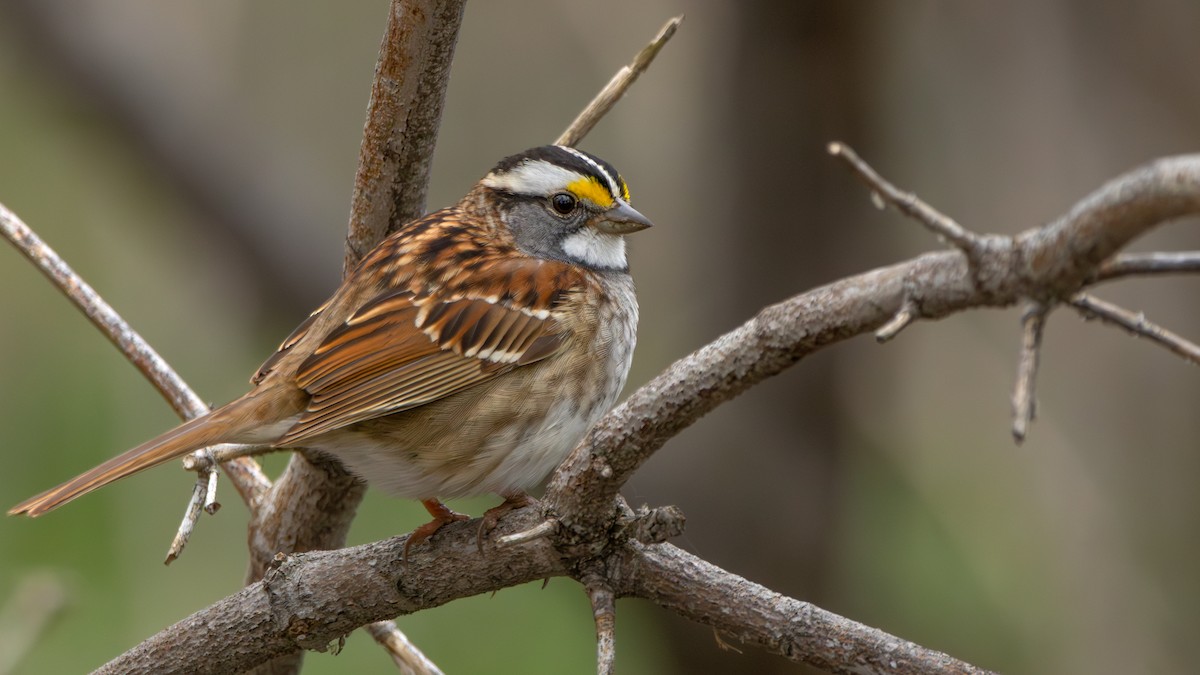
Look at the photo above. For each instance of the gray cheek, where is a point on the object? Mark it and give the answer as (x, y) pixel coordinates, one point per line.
(537, 232)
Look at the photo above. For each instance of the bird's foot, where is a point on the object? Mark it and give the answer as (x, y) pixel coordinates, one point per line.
(491, 517)
(442, 515)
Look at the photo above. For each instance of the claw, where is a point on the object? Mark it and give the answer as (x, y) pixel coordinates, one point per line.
(442, 515)
(491, 517)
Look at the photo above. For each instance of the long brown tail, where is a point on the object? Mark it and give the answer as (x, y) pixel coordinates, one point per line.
(192, 435)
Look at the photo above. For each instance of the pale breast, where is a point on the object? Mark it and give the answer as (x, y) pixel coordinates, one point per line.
(511, 432)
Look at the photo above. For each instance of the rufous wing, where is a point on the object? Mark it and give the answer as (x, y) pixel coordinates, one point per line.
(401, 351)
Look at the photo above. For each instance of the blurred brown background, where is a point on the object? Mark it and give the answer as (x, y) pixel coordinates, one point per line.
(194, 162)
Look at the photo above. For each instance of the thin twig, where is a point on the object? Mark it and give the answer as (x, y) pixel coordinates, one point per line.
(1033, 320)
(908, 203)
(246, 475)
(542, 529)
(604, 610)
(211, 505)
(102, 315)
(406, 656)
(906, 315)
(1146, 264)
(1136, 324)
(617, 86)
(191, 514)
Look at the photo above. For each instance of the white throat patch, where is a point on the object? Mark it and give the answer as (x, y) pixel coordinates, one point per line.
(596, 249)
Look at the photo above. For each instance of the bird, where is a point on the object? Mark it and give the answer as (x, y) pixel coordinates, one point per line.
(466, 354)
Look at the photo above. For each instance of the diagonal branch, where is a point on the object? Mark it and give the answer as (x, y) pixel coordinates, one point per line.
(907, 203)
(310, 600)
(245, 473)
(406, 656)
(314, 599)
(313, 503)
(617, 86)
(1136, 324)
(1049, 262)
(798, 631)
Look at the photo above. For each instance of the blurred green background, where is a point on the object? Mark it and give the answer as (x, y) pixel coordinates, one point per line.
(194, 162)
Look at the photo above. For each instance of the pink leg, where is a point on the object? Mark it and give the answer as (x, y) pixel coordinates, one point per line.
(512, 501)
(441, 516)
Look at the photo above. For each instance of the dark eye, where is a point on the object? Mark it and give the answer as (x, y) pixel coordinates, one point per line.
(564, 203)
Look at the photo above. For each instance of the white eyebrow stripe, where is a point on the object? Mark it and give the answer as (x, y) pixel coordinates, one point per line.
(538, 177)
(612, 181)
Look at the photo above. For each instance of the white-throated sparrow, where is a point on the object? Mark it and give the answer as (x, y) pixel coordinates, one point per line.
(467, 354)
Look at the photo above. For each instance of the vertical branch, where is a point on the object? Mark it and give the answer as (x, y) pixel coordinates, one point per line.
(402, 120)
(313, 503)
(604, 609)
(1033, 320)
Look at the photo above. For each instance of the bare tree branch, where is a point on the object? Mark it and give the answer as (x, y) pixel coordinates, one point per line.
(798, 631)
(406, 656)
(604, 611)
(617, 86)
(245, 474)
(402, 121)
(1136, 325)
(313, 600)
(313, 503)
(1049, 263)
(1024, 403)
(1143, 264)
(906, 202)
(1064, 255)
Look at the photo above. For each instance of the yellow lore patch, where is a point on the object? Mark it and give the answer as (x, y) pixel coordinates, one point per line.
(590, 189)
